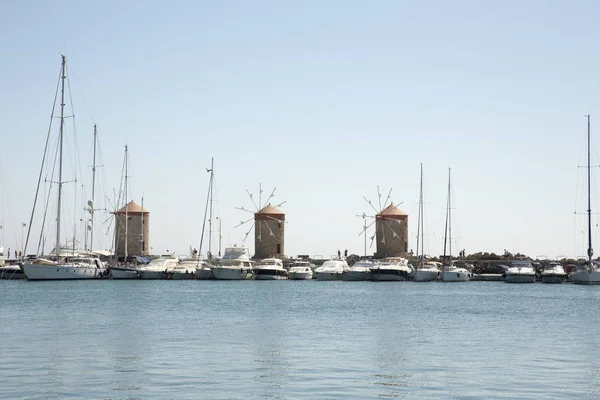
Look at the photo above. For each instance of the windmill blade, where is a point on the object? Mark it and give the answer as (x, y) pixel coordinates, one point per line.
(394, 233)
(372, 239)
(243, 209)
(379, 198)
(364, 229)
(247, 233)
(269, 228)
(269, 198)
(280, 204)
(387, 198)
(252, 198)
(244, 222)
(371, 204)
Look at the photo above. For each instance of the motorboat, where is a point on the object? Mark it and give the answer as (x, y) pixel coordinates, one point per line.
(10, 269)
(521, 271)
(553, 273)
(426, 272)
(391, 269)
(235, 264)
(360, 270)
(203, 267)
(331, 270)
(301, 270)
(181, 270)
(455, 273)
(70, 265)
(270, 269)
(159, 267)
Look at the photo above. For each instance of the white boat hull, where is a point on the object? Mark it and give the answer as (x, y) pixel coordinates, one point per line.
(586, 277)
(203, 273)
(456, 276)
(357, 275)
(519, 278)
(124, 273)
(554, 278)
(151, 274)
(389, 275)
(181, 275)
(44, 272)
(231, 274)
(301, 275)
(425, 275)
(329, 276)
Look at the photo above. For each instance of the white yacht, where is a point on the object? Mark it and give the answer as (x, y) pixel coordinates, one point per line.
(301, 270)
(159, 267)
(127, 267)
(391, 269)
(553, 273)
(270, 269)
(360, 270)
(234, 265)
(426, 272)
(203, 267)
(181, 270)
(455, 273)
(331, 270)
(73, 265)
(521, 271)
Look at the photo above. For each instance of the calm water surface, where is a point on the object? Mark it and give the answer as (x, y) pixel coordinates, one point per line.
(298, 339)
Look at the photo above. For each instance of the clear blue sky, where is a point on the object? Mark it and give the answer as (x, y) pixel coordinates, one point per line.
(323, 100)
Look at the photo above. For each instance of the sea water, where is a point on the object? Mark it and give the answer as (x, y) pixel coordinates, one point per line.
(298, 340)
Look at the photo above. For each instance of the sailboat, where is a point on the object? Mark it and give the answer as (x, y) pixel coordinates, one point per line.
(424, 272)
(69, 264)
(451, 273)
(203, 267)
(588, 273)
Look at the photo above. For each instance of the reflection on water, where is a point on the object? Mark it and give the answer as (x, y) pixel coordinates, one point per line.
(280, 340)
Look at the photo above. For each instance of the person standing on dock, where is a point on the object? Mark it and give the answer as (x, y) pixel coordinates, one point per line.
(339, 254)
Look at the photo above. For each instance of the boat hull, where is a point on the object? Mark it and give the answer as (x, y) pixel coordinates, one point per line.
(301, 275)
(203, 273)
(11, 272)
(554, 278)
(519, 278)
(329, 276)
(355, 276)
(151, 274)
(181, 275)
(425, 275)
(270, 274)
(231, 274)
(124, 273)
(585, 277)
(456, 276)
(44, 272)
(389, 275)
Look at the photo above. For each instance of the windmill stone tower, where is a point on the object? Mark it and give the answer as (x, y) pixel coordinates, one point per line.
(269, 223)
(132, 227)
(391, 229)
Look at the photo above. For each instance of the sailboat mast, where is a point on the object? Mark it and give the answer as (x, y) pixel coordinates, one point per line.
(62, 125)
(420, 221)
(447, 223)
(142, 242)
(91, 246)
(210, 212)
(449, 216)
(590, 250)
(126, 206)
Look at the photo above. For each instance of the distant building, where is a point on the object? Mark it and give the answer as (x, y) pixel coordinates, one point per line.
(132, 226)
(391, 230)
(269, 224)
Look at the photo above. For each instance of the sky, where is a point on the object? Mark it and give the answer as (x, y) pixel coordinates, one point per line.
(323, 101)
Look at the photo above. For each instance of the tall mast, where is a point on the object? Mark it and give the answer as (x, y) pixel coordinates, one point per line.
(447, 223)
(590, 251)
(60, 140)
(419, 218)
(91, 246)
(126, 206)
(143, 246)
(210, 212)
(449, 217)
